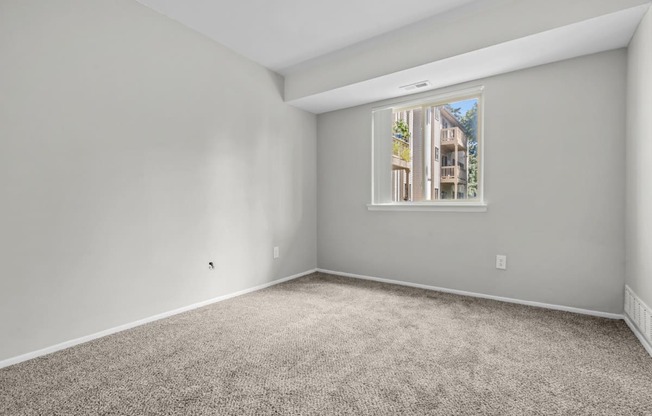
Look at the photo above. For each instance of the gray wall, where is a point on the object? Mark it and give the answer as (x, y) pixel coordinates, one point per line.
(132, 152)
(639, 162)
(555, 159)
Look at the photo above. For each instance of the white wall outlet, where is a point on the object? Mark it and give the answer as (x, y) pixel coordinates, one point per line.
(276, 253)
(501, 262)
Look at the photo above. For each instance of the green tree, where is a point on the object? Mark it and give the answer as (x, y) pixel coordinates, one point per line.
(470, 126)
(401, 147)
(401, 130)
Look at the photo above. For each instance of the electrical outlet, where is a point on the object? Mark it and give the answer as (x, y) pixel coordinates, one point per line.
(501, 262)
(276, 253)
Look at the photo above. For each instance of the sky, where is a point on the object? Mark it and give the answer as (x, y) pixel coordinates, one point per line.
(465, 105)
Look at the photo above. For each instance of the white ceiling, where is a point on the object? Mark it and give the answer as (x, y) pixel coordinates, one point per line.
(288, 36)
(279, 34)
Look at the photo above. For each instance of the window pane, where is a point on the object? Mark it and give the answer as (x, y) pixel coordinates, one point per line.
(435, 152)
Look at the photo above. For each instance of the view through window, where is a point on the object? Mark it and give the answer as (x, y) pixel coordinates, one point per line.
(435, 152)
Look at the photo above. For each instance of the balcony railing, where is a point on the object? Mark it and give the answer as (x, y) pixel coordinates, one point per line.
(401, 154)
(453, 136)
(451, 174)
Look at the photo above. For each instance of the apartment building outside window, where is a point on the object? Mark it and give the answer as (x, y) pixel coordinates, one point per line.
(435, 152)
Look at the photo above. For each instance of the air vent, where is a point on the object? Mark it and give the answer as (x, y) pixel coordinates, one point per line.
(639, 313)
(415, 86)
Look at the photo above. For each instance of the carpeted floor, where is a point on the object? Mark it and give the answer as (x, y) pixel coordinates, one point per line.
(325, 345)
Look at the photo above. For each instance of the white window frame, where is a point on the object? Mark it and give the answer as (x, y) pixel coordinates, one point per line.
(381, 156)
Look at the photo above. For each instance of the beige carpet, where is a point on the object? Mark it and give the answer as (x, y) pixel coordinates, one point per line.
(324, 345)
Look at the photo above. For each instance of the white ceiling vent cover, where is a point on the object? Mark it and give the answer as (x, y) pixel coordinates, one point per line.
(415, 86)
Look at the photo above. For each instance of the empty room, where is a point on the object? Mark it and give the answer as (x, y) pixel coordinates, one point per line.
(325, 208)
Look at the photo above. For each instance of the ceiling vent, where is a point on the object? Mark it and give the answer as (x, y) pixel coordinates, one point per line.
(415, 86)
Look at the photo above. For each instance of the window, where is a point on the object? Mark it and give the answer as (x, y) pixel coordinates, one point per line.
(429, 153)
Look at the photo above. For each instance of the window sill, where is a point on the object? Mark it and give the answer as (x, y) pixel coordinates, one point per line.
(430, 206)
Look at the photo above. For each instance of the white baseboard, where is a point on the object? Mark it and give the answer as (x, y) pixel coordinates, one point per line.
(480, 295)
(638, 317)
(81, 340)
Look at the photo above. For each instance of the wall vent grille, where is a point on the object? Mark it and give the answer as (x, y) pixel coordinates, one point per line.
(639, 313)
(416, 86)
